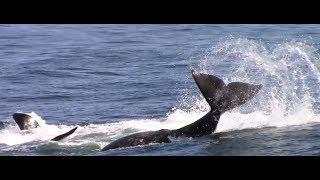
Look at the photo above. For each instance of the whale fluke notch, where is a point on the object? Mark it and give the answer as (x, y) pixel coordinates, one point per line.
(25, 121)
(62, 136)
(224, 97)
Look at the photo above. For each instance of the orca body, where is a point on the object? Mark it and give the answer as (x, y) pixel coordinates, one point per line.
(219, 96)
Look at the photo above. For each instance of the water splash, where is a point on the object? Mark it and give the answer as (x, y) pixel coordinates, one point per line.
(287, 71)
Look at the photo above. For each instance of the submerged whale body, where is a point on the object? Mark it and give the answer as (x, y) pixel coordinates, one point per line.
(219, 96)
(27, 122)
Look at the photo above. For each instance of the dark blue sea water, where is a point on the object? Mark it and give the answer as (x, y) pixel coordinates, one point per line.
(115, 80)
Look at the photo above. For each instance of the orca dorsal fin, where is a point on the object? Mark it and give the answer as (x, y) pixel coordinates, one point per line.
(223, 97)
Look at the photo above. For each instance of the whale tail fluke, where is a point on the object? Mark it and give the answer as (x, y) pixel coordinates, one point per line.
(222, 97)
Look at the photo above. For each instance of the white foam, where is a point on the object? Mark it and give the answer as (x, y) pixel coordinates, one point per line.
(13, 135)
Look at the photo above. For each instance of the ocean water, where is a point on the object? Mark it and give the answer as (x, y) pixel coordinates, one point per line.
(114, 80)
